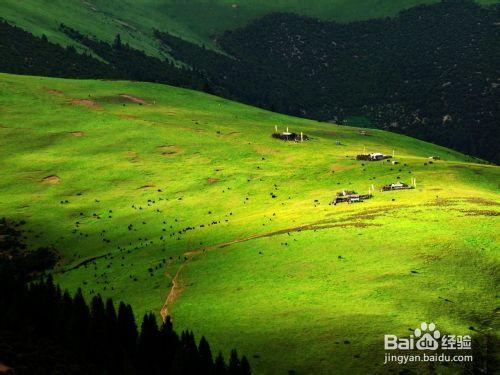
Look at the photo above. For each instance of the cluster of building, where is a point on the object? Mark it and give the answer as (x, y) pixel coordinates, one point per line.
(398, 186)
(290, 136)
(374, 156)
(350, 196)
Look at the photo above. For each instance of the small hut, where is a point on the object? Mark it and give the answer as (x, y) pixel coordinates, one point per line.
(290, 136)
(374, 156)
(377, 156)
(349, 196)
(396, 186)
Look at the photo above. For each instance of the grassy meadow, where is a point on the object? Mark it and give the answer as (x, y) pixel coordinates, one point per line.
(153, 193)
(198, 21)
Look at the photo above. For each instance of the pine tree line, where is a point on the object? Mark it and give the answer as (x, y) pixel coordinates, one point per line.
(96, 338)
(44, 330)
(132, 64)
(24, 53)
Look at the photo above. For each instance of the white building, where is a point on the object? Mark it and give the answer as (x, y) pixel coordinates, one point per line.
(376, 156)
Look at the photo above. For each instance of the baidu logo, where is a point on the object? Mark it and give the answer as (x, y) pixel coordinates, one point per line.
(427, 337)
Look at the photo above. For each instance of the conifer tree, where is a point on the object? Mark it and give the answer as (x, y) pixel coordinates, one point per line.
(117, 44)
(169, 343)
(245, 366)
(127, 330)
(115, 350)
(205, 354)
(98, 330)
(148, 346)
(80, 323)
(219, 365)
(234, 363)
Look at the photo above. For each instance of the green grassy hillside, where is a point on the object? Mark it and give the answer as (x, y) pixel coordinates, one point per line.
(196, 20)
(155, 194)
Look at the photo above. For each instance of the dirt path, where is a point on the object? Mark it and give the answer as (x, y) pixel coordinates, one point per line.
(86, 103)
(133, 99)
(172, 294)
(52, 179)
(175, 288)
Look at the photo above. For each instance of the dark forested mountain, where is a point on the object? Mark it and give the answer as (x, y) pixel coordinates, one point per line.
(24, 53)
(431, 72)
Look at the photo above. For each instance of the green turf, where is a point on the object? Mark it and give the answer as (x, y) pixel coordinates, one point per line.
(285, 299)
(195, 20)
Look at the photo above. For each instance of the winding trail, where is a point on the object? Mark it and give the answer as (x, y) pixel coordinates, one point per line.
(172, 294)
(175, 289)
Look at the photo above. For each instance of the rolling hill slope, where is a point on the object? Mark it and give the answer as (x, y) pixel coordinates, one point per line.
(181, 202)
(429, 73)
(196, 20)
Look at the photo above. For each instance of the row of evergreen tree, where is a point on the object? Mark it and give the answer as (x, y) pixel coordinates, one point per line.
(136, 65)
(24, 53)
(44, 330)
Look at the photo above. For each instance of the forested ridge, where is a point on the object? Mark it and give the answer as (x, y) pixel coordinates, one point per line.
(431, 72)
(45, 330)
(24, 53)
